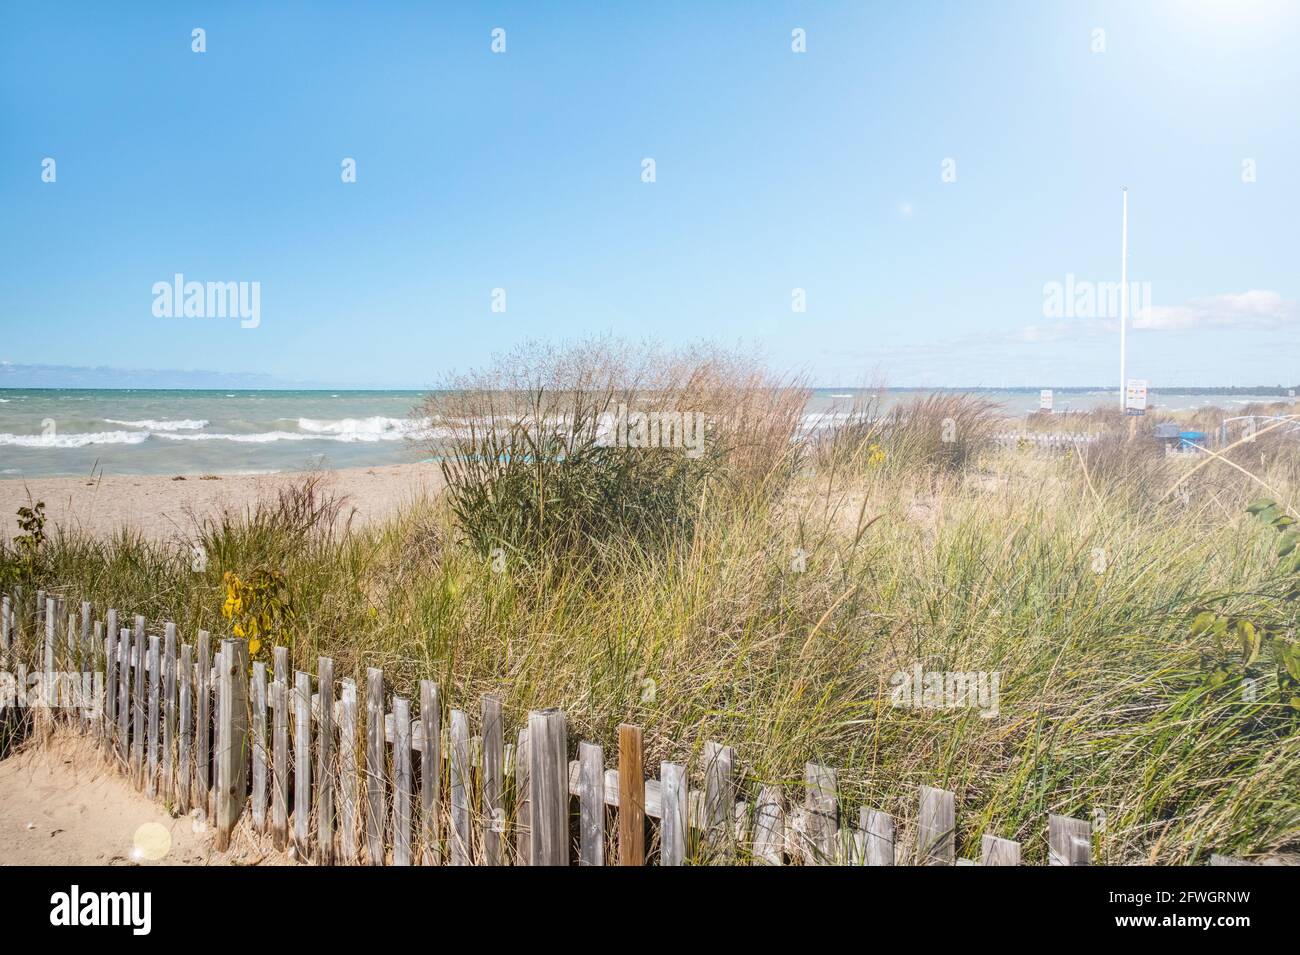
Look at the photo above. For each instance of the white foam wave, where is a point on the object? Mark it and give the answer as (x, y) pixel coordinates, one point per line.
(260, 437)
(375, 425)
(148, 424)
(79, 440)
(269, 437)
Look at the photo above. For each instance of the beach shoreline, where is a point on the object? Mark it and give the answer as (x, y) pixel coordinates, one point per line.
(165, 507)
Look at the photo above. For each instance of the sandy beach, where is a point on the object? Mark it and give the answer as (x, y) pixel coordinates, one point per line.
(62, 804)
(164, 507)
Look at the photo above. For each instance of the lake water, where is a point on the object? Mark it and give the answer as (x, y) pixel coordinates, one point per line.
(56, 431)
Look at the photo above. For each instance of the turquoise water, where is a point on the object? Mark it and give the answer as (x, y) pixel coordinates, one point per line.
(73, 431)
(46, 432)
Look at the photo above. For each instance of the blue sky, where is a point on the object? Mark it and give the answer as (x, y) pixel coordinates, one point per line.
(775, 171)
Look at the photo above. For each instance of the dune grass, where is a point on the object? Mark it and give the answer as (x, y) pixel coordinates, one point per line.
(773, 618)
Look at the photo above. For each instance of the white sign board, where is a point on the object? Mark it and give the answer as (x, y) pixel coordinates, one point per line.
(1045, 400)
(1135, 398)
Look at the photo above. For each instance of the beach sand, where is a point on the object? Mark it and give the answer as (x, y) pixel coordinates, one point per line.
(163, 507)
(61, 804)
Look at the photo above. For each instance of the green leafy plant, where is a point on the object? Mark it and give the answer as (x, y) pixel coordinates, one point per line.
(28, 552)
(1254, 640)
(1272, 513)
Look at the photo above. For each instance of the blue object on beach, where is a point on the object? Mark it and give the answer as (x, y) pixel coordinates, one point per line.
(1187, 440)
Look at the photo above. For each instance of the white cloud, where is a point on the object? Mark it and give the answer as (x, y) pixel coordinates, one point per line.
(1257, 308)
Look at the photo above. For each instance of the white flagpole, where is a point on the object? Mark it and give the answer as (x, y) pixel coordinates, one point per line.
(1123, 307)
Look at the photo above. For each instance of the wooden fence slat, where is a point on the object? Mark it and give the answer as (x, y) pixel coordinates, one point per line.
(997, 851)
(50, 683)
(65, 652)
(548, 787)
(257, 689)
(112, 663)
(111, 684)
(214, 731)
(232, 738)
(280, 748)
(99, 706)
(719, 793)
(92, 683)
(376, 766)
(51, 614)
(936, 842)
(494, 816)
(125, 656)
(769, 827)
(85, 654)
(72, 650)
(878, 836)
(203, 721)
(675, 825)
(1069, 841)
(821, 807)
(6, 629)
(431, 771)
(348, 804)
(325, 775)
(401, 781)
(523, 802)
(302, 764)
(169, 710)
(140, 702)
(185, 760)
(459, 836)
(631, 796)
(155, 679)
(89, 652)
(591, 803)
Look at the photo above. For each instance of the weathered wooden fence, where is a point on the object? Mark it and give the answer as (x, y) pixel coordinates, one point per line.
(336, 782)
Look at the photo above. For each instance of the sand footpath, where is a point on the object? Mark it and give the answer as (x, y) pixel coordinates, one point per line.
(163, 506)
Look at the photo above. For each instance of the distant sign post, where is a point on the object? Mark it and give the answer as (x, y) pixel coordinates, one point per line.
(1045, 400)
(1135, 398)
